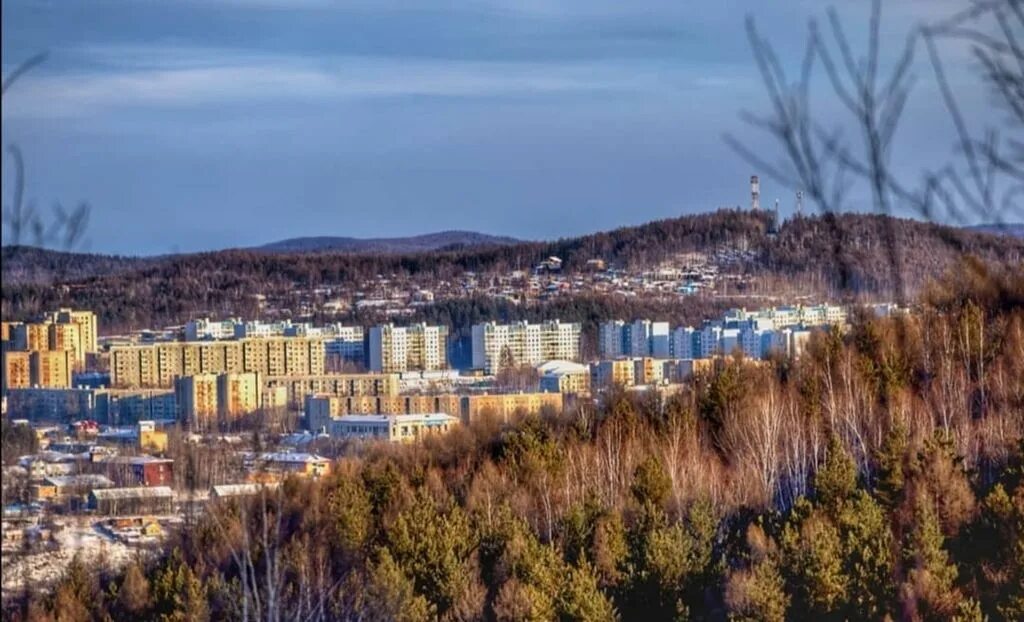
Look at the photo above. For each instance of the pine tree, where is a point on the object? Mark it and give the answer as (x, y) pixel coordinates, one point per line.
(581, 598)
(133, 596)
(391, 594)
(891, 458)
(929, 590)
(836, 479)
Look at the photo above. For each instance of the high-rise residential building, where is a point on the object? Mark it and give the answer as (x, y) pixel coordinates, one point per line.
(197, 398)
(685, 343)
(31, 336)
(395, 349)
(65, 329)
(68, 336)
(238, 394)
(51, 368)
(87, 328)
(345, 345)
(640, 338)
(156, 365)
(17, 370)
(7, 330)
(502, 346)
(610, 339)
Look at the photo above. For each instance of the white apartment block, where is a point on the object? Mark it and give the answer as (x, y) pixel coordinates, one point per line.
(206, 329)
(396, 349)
(496, 346)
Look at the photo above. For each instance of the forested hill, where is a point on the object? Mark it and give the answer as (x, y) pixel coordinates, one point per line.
(852, 251)
(444, 240)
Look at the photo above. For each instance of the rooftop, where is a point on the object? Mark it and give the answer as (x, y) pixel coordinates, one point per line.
(138, 492)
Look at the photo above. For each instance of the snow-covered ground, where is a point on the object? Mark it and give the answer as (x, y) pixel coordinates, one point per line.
(79, 535)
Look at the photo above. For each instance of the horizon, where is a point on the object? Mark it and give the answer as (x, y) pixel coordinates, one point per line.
(249, 123)
(981, 227)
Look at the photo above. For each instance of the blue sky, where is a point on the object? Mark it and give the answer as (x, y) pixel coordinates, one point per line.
(211, 124)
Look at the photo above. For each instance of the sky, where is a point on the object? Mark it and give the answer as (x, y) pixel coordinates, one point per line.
(197, 125)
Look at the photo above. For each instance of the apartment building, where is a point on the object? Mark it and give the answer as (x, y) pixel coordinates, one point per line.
(339, 385)
(564, 377)
(31, 337)
(685, 343)
(238, 394)
(50, 369)
(88, 331)
(500, 346)
(640, 338)
(106, 406)
(392, 428)
(68, 337)
(157, 365)
(396, 349)
(321, 409)
(508, 406)
(611, 372)
(197, 399)
(345, 345)
(64, 329)
(17, 370)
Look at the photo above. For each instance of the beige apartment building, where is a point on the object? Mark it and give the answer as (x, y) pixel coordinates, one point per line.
(238, 394)
(17, 372)
(157, 365)
(68, 337)
(31, 337)
(321, 408)
(51, 369)
(197, 398)
(395, 349)
(339, 385)
(607, 373)
(66, 329)
(87, 328)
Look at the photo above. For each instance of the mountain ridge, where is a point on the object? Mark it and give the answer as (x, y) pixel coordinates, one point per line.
(836, 254)
(439, 240)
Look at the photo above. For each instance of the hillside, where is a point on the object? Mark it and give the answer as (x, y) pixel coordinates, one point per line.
(849, 252)
(414, 244)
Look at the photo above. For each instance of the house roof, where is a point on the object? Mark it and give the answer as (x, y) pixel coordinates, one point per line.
(86, 480)
(137, 492)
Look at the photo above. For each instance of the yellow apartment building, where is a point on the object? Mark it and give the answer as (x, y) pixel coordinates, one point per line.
(17, 370)
(197, 398)
(238, 394)
(51, 369)
(67, 337)
(611, 372)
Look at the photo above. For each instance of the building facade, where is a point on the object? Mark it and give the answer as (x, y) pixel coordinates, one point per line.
(396, 349)
(502, 346)
(156, 365)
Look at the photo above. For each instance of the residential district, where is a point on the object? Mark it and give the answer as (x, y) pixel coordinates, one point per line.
(112, 415)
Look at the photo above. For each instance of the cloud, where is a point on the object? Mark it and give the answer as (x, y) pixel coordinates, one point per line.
(170, 77)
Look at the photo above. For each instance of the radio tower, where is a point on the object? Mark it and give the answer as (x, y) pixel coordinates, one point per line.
(755, 193)
(800, 202)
